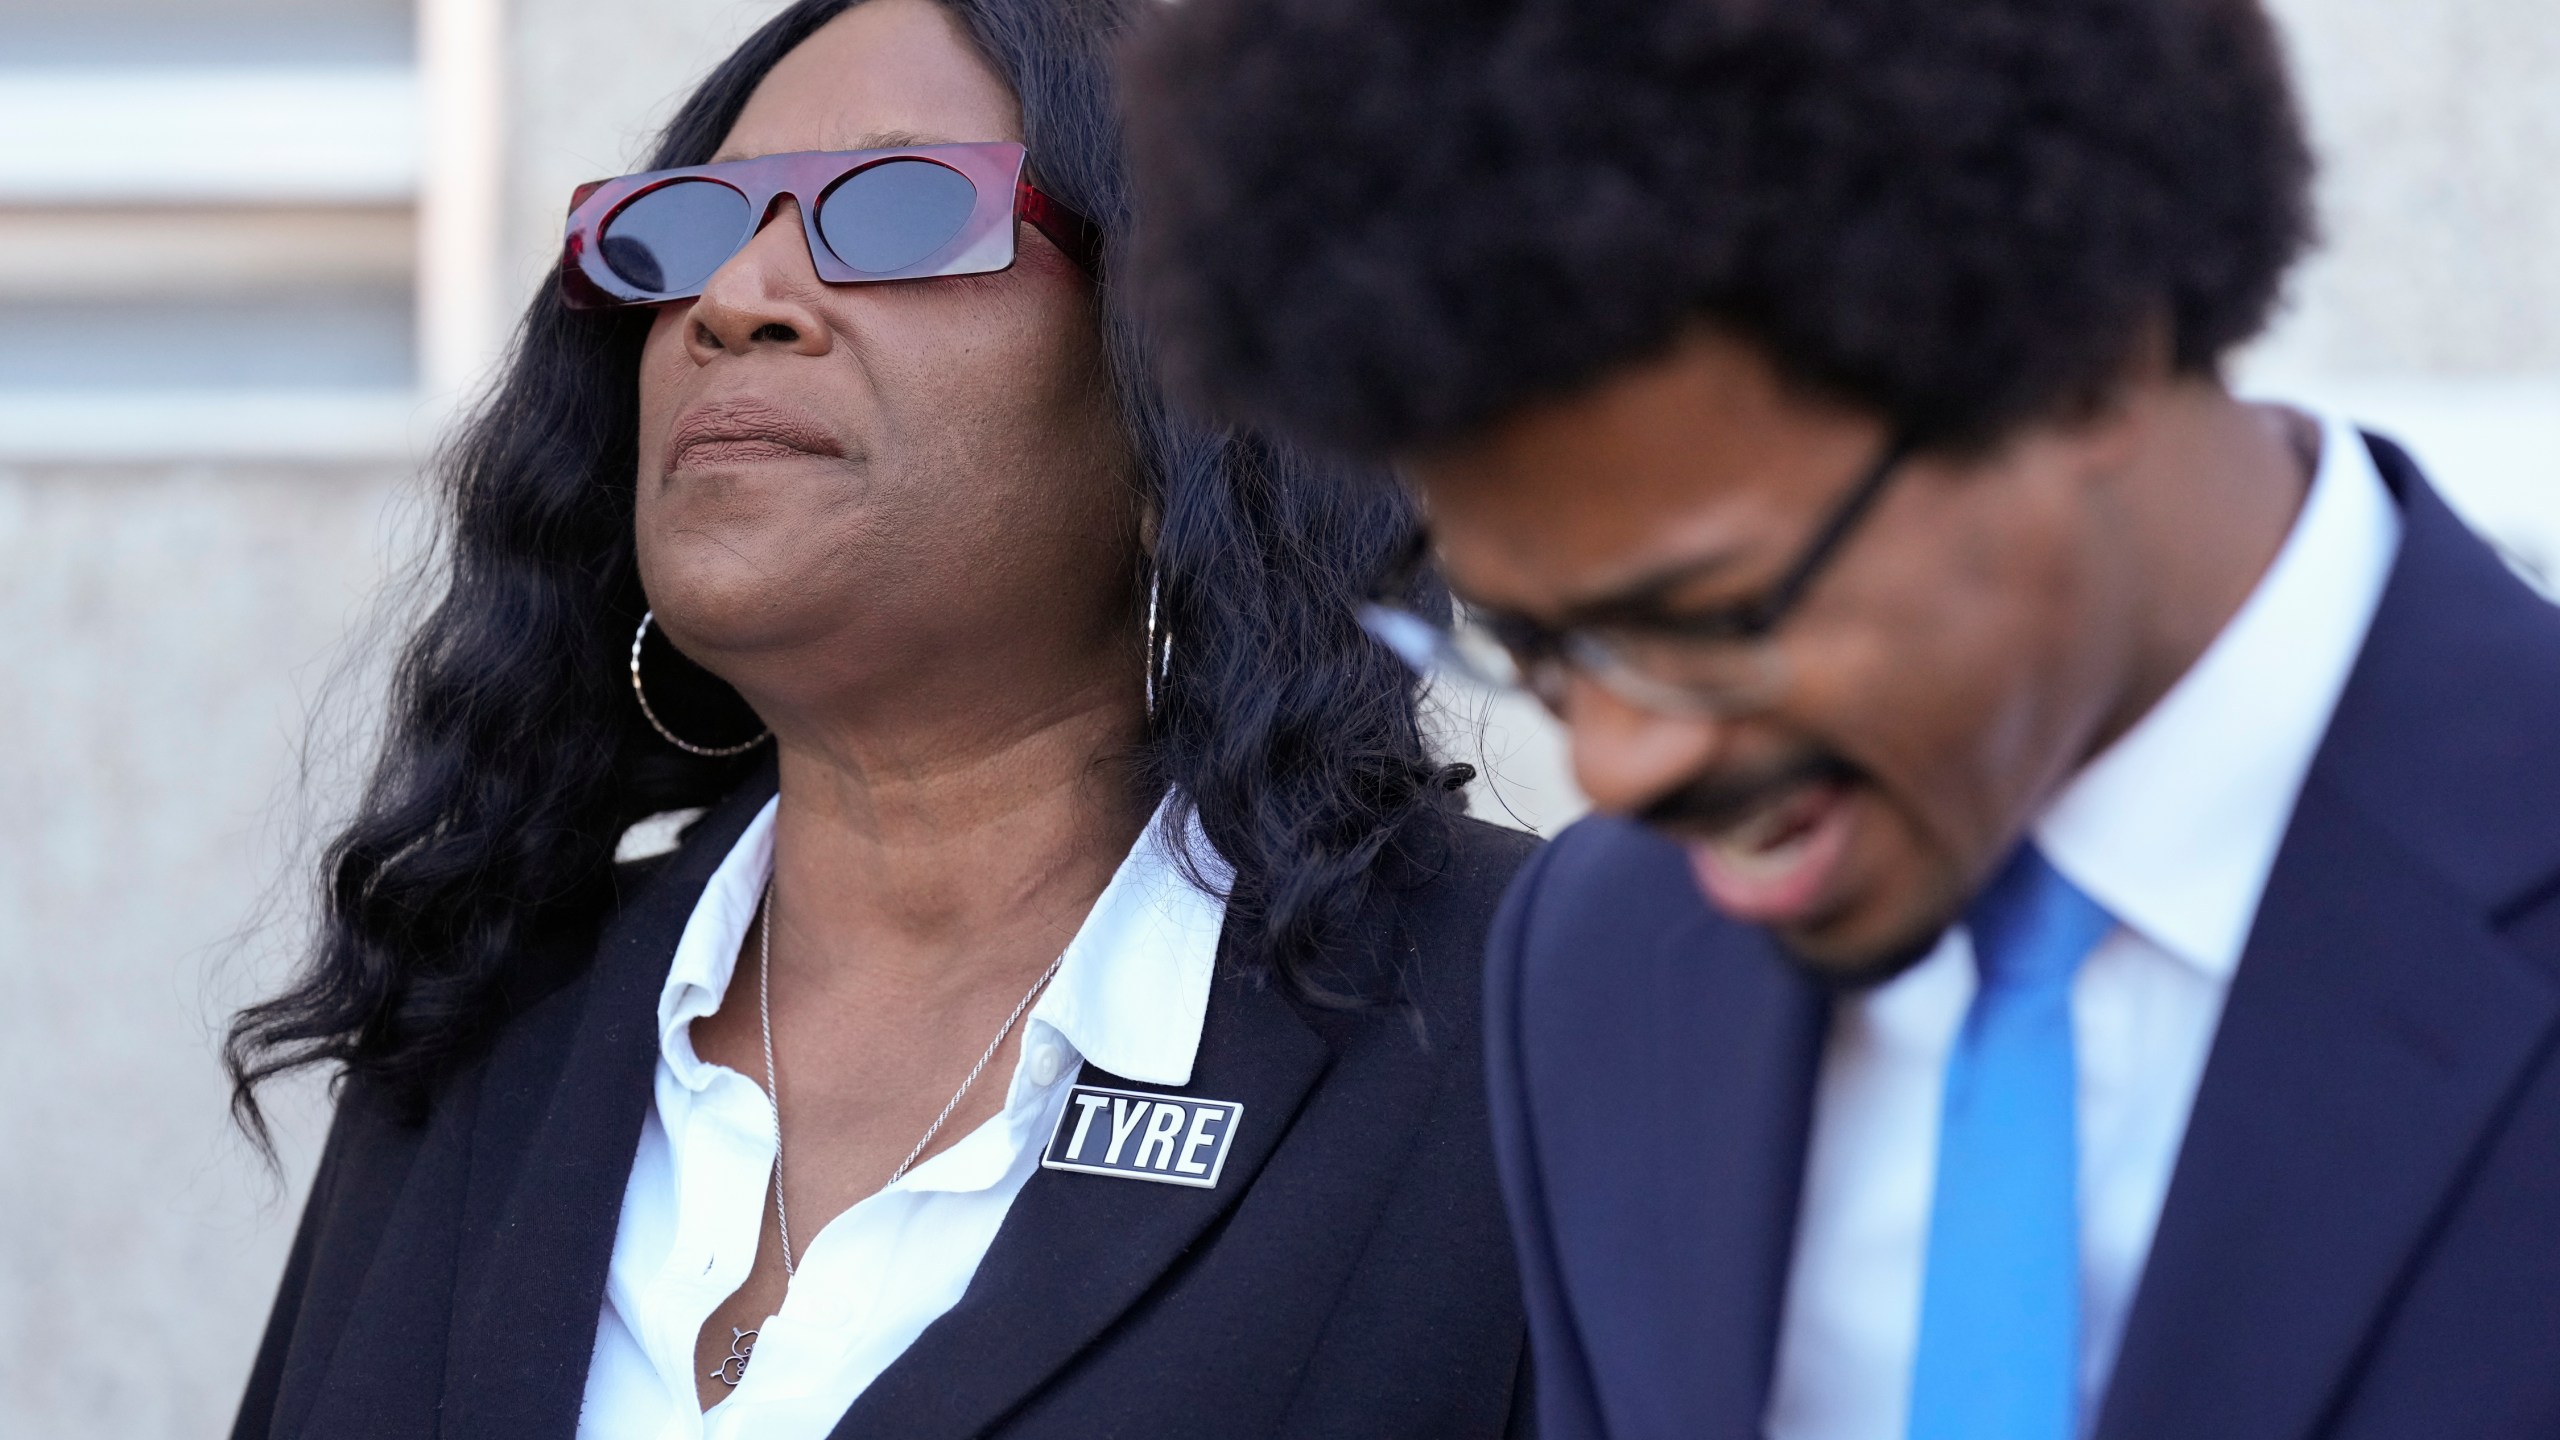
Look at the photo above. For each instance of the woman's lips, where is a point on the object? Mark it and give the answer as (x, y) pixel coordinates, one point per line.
(738, 432)
(736, 450)
(1773, 866)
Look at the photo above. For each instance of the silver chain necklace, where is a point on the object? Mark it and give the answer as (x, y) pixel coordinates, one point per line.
(742, 1342)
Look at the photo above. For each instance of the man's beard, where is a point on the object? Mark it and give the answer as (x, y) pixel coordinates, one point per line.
(1709, 804)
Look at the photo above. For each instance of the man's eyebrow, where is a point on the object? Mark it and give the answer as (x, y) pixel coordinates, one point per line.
(876, 140)
(1642, 597)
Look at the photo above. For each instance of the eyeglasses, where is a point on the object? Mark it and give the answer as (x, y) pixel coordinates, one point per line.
(1718, 662)
(870, 215)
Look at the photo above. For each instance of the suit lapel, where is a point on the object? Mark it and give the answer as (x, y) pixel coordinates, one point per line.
(1754, 1026)
(2372, 1032)
(1076, 1251)
(1667, 1067)
(553, 1158)
(2377, 1024)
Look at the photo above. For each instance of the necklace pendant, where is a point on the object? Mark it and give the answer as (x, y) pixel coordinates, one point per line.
(742, 1348)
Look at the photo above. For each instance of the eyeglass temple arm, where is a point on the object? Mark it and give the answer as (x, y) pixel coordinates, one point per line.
(1773, 606)
(1078, 238)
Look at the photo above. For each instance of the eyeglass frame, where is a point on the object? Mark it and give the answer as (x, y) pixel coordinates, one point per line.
(984, 243)
(1431, 647)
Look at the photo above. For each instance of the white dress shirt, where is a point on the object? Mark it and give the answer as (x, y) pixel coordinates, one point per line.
(1130, 995)
(2173, 829)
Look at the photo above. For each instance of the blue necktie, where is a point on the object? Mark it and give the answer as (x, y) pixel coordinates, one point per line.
(1999, 1352)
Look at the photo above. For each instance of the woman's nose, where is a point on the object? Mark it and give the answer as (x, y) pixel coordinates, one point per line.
(766, 295)
(1624, 756)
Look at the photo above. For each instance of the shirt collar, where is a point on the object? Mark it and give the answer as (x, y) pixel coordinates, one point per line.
(2174, 827)
(1131, 993)
(707, 953)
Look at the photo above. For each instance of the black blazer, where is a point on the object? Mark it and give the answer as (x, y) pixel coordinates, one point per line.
(1350, 1274)
(2362, 1234)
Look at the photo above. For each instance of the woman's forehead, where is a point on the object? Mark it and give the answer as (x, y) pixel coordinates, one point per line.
(885, 73)
(875, 140)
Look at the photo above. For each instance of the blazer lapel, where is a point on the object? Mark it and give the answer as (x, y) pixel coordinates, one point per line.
(1731, 1093)
(2377, 1024)
(1077, 1251)
(1665, 1067)
(2373, 1030)
(553, 1158)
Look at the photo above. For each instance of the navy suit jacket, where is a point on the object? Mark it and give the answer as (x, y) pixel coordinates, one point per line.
(2362, 1234)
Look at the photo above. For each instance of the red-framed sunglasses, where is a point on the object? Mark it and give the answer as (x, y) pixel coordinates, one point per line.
(906, 214)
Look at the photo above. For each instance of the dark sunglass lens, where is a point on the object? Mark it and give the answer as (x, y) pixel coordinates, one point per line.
(672, 239)
(895, 213)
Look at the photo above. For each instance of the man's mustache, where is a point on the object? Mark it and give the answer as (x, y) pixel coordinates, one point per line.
(1711, 802)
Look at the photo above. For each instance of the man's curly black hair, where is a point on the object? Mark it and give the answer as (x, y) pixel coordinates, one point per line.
(1384, 224)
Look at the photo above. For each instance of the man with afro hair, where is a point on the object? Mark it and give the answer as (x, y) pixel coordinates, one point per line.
(2071, 941)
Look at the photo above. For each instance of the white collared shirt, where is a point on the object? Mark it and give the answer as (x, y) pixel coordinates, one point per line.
(2173, 829)
(1130, 995)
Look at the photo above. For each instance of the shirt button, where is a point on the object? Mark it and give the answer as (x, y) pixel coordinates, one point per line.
(1047, 1063)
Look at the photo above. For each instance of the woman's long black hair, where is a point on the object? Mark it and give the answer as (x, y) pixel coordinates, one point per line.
(479, 866)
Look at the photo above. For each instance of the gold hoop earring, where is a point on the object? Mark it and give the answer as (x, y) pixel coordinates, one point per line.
(714, 752)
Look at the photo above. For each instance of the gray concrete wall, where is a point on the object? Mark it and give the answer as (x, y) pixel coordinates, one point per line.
(165, 632)
(2437, 124)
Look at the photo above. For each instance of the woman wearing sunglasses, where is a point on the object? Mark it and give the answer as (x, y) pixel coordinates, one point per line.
(1060, 1019)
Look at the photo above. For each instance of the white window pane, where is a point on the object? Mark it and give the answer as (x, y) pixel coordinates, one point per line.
(314, 340)
(73, 135)
(207, 32)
